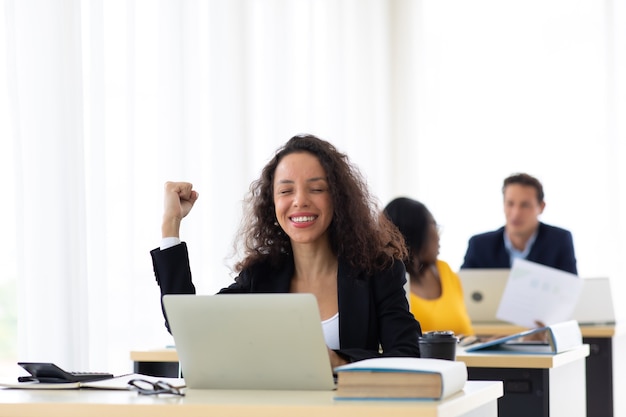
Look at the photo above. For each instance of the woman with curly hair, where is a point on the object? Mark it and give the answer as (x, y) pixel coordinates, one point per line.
(311, 226)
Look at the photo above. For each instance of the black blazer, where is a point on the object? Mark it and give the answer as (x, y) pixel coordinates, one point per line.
(553, 247)
(373, 309)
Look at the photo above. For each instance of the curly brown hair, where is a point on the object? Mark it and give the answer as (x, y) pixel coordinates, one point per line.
(359, 233)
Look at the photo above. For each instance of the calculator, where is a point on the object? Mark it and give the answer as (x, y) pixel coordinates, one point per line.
(47, 372)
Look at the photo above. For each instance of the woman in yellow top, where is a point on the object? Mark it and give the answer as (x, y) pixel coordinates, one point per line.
(436, 294)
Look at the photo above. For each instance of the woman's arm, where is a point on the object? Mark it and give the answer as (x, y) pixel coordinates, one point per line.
(172, 272)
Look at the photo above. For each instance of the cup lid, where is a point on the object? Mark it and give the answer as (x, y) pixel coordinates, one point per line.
(438, 334)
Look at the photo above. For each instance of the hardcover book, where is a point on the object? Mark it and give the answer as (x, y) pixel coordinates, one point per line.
(400, 378)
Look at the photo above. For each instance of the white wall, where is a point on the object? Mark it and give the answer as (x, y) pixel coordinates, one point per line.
(523, 86)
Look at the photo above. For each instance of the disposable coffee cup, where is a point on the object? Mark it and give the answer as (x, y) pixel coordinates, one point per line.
(438, 345)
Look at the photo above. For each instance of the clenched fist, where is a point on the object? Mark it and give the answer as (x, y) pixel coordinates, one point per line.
(178, 199)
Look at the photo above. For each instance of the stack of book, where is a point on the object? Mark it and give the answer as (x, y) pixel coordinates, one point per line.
(400, 378)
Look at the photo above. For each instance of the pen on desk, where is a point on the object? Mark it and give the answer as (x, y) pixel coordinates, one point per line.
(26, 379)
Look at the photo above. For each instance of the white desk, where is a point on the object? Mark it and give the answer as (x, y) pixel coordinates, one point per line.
(606, 364)
(157, 362)
(478, 399)
(534, 384)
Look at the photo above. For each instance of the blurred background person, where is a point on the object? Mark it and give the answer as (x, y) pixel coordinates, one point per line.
(436, 294)
(523, 236)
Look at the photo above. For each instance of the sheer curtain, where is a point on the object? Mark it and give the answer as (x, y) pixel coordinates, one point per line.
(101, 102)
(107, 100)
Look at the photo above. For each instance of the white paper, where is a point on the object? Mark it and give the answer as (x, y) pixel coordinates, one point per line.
(537, 292)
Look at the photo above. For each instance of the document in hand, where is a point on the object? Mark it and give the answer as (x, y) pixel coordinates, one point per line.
(400, 378)
(535, 292)
(554, 339)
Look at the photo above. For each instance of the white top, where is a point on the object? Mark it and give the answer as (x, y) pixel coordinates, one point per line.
(331, 331)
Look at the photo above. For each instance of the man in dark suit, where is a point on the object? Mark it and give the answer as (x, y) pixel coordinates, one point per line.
(523, 236)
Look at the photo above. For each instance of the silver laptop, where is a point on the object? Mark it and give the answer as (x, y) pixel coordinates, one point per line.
(250, 341)
(482, 291)
(595, 304)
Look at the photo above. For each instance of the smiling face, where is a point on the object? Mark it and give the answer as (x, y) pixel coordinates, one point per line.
(302, 199)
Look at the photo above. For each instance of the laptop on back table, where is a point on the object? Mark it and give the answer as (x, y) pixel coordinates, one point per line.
(250, 341)
(482, 291)
(595, 304)
(483, 288)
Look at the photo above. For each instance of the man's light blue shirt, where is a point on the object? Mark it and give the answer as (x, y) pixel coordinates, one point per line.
(514, 253)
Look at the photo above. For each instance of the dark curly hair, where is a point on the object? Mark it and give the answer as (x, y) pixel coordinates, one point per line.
(358, 233)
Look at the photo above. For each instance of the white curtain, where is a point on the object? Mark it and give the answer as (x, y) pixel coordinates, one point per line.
(102, 101)
(109, 99)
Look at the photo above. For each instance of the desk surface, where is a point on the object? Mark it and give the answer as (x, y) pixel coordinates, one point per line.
(478, 359)
(154, 355)
(491, 359)
(508, 329)
(96, 403)
(608, 331)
